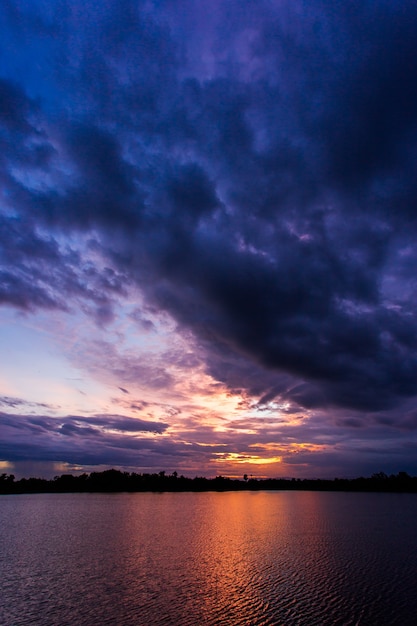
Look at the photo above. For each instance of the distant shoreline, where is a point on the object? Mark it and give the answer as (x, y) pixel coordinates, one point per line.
(115, 481)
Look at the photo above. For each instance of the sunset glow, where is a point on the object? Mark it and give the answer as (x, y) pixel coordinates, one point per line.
(207, 246)
(233, 458)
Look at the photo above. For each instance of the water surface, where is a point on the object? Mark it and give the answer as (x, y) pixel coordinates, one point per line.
(251, 558)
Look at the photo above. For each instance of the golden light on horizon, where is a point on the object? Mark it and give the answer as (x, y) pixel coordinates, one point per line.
(265, 454)
(235, 457)
(290, 448)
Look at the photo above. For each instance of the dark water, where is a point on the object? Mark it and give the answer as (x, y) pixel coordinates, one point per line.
(210, 558)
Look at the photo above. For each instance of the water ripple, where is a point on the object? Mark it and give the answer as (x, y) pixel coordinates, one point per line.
(270, 559)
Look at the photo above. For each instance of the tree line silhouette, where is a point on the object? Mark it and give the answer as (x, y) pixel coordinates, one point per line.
(113, 480)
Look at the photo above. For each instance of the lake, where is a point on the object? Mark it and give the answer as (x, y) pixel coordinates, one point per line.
(233, 558)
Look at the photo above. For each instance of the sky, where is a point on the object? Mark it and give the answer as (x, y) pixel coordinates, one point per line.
(208, 220)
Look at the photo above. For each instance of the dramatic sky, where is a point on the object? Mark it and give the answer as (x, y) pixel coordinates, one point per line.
(208, 227)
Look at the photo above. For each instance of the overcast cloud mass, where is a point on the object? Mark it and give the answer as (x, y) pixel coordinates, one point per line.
(208, 221)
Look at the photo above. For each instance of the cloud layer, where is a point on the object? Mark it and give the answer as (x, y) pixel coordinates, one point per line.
(249, 170)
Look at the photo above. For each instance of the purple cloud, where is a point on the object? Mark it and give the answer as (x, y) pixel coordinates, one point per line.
(249, 170)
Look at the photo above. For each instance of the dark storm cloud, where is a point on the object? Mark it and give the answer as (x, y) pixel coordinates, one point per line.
(251, 168)
(74, 423)
(39, 272)
(14, 108)
(92, 440)
(120, 423)
(76, 438)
